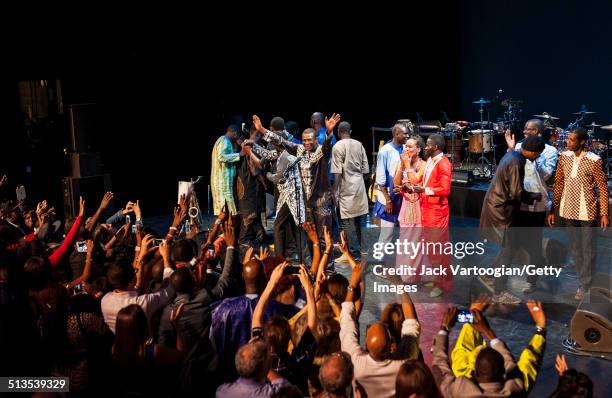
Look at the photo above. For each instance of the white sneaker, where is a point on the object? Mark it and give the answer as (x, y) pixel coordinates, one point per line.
(506, 297)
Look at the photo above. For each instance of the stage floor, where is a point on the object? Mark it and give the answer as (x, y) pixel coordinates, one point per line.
(512, 323)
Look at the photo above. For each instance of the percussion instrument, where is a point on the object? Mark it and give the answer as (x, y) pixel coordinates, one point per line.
(479, 141)
(481, 101)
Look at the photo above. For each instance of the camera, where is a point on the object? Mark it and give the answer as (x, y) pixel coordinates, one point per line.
(81, 246)
(465, 316)
(77, 289)
(157, 242)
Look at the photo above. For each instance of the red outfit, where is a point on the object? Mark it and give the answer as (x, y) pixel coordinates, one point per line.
(435, 212)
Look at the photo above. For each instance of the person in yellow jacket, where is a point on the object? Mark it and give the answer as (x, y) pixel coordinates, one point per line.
(470, 342)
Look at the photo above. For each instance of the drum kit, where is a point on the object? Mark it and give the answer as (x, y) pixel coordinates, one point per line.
(471, 146)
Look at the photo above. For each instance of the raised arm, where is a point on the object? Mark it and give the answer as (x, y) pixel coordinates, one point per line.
(87, 270)
(310, 300)
(231, 261)
(273, 137)
(260, 308)
(311, 232)
(61, 251)
(104, 203)
(330, 124)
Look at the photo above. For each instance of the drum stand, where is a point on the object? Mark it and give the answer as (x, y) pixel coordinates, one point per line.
(485, 172)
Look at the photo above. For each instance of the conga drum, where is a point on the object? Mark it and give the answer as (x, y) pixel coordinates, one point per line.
(479, 141)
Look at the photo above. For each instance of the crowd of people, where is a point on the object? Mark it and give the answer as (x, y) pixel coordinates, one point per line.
(125, 311)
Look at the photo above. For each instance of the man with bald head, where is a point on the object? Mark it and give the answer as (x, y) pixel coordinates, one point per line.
(533, 216)
(336, 375)
(376, 367)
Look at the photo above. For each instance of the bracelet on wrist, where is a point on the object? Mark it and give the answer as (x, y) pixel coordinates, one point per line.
(540, 328)
(173, 229)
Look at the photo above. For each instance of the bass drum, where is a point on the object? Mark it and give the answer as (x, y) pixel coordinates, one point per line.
(479, 141)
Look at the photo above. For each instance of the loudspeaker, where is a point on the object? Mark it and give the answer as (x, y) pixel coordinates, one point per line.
(83, 127)
(591, 325)
(462, 177)
(91, 188)
(85, 164)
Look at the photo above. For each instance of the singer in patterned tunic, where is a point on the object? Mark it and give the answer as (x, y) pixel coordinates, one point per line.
(579, 172)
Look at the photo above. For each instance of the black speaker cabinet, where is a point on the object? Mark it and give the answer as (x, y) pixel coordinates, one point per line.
(83, 127)
(591, 325)
(91, 188)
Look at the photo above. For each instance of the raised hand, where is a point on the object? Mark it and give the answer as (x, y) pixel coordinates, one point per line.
(343, 244)
(248, 254)
(277, 273)
(3, 180)
(164, 249)
(357, 274)
(561, 364)
(311, 231)
(481, 325)
(137, 210)
(257, 123)
(263, 253)
(510, 140)
(180, 212)
(146, 246)
(481, 302)
(328, 239)
(106, 200)
(305, 279)
(81, 206)
(537, 313)
(331, 123)
(229, 234)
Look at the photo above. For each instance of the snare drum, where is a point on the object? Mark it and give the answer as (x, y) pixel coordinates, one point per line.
(477, 139)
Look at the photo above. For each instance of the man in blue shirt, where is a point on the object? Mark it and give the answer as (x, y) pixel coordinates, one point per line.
(317, 122)
(388, 204)
(256, 380)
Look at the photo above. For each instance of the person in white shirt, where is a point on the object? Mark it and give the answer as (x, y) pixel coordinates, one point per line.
(376, 367)
(122, 277)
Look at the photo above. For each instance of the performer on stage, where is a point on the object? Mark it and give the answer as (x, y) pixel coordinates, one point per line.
(251, 193)
(501, 206)
(575, 200)
(533, 217)
(388, 204)
(435, 212)
(313, 166)
(349, 165)
(223, 171)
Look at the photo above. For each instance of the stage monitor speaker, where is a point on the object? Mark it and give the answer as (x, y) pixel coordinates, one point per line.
(83, 127)
(462, 177)
(91, 188)
(591, 325)
(85, 164)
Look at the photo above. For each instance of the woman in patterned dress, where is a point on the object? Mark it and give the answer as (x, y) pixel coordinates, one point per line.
(409, 173)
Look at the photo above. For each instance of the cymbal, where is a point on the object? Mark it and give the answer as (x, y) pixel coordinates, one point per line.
(545, 115)
(584, 112)
(593, 125)
(511, 101)
(481, 101)
(608, 127)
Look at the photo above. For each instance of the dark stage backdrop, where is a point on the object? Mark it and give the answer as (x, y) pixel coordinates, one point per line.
(164, 103)
(554, 55)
